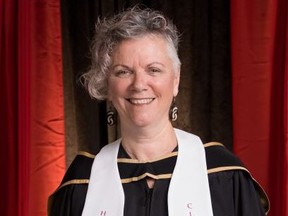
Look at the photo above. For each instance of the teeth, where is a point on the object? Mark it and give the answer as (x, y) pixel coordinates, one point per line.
(141, 101)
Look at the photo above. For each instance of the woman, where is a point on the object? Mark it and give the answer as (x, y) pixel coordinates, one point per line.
(153, 169)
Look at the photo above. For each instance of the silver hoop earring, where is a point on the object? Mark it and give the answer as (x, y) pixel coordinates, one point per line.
(173, 111)
(111, 116)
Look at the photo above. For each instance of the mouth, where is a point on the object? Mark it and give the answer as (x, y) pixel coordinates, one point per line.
(140, 101)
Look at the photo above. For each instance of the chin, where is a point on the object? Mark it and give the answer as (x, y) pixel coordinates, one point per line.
(141, 122)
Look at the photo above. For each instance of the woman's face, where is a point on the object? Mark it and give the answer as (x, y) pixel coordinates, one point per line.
(142, 81)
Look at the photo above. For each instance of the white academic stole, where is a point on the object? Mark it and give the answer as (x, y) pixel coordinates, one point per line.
(188, 193)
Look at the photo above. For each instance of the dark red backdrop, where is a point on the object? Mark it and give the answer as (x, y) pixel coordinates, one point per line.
(32, 158)
(259, 35)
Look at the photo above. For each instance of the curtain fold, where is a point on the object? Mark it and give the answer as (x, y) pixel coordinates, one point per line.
(32, 121)
(23, 76)
(85, 118)
(278, 178)
(47, 104)
(251, 46)
(9, 162)
(259, 78)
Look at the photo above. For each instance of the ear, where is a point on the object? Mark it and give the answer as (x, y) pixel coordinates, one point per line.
(176, 83)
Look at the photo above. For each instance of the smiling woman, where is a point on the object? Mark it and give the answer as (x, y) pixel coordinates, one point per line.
(153, 169)
(142, 83)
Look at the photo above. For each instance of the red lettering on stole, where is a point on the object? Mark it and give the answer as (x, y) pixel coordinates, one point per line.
(189, 206)
(103, 213)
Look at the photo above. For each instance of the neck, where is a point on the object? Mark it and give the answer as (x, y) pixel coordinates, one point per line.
(148, 144)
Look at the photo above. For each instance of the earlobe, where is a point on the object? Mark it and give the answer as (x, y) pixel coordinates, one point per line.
(175, 93)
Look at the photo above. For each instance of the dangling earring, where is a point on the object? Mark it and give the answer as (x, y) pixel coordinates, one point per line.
(111, 115)
(173, 111)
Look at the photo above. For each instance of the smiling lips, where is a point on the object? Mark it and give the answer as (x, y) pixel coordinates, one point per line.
(141, 101)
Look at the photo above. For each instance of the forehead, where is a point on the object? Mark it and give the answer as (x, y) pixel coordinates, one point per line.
(147, 46)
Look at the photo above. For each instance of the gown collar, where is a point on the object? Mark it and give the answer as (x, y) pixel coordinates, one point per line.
(188, 192)
(132, 170)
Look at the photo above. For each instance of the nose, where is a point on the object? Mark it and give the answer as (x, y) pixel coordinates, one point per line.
(139, 82)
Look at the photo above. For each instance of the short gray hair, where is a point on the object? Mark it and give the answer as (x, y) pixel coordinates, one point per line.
(129, 24)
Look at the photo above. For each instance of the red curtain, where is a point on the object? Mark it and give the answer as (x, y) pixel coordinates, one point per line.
(259, 41)
(32, 148)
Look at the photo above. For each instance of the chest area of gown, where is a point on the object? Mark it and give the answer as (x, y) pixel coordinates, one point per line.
(140, 200)
(143, 201)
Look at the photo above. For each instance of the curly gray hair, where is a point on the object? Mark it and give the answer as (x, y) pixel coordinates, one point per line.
(130, 24)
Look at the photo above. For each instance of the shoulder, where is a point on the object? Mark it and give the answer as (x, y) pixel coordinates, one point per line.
(79, 170)
(219, 158)
(221, 162)
(69, 197)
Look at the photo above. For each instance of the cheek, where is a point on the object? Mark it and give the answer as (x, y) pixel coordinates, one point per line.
(165, 88)
(172, 83)
(111, 90)
(115, 88)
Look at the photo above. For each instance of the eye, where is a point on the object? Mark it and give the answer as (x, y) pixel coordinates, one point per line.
(154, 70)
(122, 73)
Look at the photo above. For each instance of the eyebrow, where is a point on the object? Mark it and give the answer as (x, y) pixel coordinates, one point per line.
(120, 65)
(125, 66)
(156, 63)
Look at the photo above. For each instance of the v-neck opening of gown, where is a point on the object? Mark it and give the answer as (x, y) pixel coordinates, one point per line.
(133, 170)
(148, 201)
(141, 200)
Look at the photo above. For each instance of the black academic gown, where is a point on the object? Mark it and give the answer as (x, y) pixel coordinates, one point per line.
(233, 190)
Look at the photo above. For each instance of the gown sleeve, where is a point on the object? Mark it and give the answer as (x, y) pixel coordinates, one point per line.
(68, 201)
(233, 190)
(69, 198)
(233, 194)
